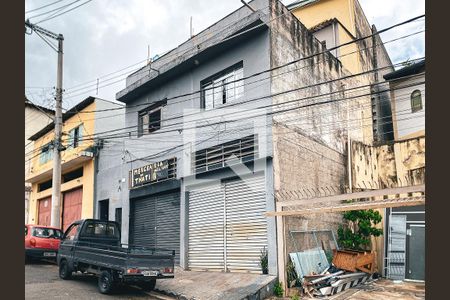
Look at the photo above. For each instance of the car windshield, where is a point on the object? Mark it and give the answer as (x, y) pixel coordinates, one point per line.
(47, 232)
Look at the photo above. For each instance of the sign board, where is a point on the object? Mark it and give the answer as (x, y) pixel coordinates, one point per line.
(152, 173)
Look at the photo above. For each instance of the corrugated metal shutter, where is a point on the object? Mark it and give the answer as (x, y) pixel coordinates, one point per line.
(227, 226)
(168, 223)
(206, 229)
(155, 222)
(246, 225)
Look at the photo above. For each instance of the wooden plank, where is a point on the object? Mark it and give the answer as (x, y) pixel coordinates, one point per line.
(357, 195)
(412, 201)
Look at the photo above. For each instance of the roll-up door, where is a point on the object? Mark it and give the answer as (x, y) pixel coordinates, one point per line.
(206, 230)
(246, 224)
(72, 201)
(44, 211)
(227, 226)
(155, 222)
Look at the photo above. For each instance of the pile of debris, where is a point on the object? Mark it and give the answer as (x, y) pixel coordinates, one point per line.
(319, 278)
(332, 282)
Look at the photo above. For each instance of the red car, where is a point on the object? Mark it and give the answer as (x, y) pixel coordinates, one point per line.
(41, 241)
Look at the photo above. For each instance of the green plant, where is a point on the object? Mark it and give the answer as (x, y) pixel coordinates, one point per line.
(291, 274)
(359, 228)
(295, 297)
(278, 289)
(264, 261)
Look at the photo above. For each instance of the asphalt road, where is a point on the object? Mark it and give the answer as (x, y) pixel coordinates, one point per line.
(42, 282)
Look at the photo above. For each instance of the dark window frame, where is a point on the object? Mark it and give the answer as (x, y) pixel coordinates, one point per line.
(210, 81)
(46, 154)
(153, 114)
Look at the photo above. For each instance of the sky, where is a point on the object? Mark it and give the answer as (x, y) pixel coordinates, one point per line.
(105, 36)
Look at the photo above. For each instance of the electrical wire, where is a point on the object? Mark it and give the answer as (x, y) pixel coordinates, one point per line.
(39, 8)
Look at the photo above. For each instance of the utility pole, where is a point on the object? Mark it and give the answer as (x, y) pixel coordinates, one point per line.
(57, 145)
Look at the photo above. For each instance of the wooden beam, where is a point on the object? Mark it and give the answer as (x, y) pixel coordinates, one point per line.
(357, 195)
(410, 201)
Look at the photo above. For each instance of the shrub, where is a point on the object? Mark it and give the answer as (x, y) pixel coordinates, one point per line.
(278, 289)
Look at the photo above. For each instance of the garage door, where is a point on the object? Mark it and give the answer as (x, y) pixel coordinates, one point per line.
(246, 224)
(44, 211)
(72, 201)
(206, 232)
(155, 222)
(227, 226)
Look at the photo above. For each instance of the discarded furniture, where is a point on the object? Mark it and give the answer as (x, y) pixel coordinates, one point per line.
(351, 260)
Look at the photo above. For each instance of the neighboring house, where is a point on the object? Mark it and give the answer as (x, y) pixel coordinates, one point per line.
(400, 163)
(197, 171)
(80, 123)
(36, 117)
(336, 22)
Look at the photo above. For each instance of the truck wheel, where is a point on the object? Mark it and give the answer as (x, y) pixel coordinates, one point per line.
(148, 286)
(105, 282)
(64, 270)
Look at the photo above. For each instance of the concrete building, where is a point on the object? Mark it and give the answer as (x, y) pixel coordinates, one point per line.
(400, 163)
(36, 117)
(80, 124)
(336, 22)
(220, 124)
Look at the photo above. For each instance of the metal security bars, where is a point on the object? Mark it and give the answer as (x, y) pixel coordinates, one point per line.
(219, 156)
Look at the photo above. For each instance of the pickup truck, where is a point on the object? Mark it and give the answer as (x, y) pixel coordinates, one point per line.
(93, 246)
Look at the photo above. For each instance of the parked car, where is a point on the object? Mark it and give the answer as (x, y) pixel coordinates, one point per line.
(93, 246)
(41, 241)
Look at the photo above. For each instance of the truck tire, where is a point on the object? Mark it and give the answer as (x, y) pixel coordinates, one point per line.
(64, 270)
(106, 282)
(148, 286)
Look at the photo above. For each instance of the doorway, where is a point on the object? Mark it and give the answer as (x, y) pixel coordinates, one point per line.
(416, 252)
(104, 210)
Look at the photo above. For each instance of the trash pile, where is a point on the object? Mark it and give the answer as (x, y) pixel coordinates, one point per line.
(319, 278)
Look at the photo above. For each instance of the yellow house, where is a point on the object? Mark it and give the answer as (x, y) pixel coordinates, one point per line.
(77, 164)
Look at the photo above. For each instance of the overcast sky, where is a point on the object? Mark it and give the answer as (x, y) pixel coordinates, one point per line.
(104, 36)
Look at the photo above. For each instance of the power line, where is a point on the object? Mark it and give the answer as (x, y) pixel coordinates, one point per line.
(52, 10)
(49, 18)
(39, 8)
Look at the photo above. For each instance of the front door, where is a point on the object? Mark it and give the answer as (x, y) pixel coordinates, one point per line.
(416, 253)
(72, 201)
(44, 211)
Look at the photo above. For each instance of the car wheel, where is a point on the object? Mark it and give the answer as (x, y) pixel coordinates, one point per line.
(64, 270)
(148, 286)
(105, 282)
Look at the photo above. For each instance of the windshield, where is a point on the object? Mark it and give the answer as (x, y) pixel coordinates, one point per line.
(47, 232)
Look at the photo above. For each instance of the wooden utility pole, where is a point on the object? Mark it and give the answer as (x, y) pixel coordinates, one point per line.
(57, 145)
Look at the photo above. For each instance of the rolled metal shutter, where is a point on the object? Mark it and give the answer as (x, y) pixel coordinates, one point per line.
(168, 223)
(246, 224)
(206, 229)
(155, 222)
(143, 222)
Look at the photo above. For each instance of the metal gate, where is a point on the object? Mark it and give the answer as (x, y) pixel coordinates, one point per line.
(44, 211)
(227, 226)
(155, 222)
(397, 247)
(72, 201)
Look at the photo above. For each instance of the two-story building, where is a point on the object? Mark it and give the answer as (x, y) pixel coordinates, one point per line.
(250, 106)
(80, 125)
(36, 117)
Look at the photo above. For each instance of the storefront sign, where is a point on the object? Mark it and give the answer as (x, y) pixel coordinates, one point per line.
(153, 172)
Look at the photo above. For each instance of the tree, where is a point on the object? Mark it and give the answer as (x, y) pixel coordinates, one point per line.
(357, 232)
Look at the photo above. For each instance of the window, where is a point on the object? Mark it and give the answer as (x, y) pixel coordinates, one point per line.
(75, 136)
(416, 101)
(100, 229)
(222, 88)
(78, 173)
(219, 156)
(46, 153)
(44, 185)
(47, 233)
(72, 232)
(149, 119)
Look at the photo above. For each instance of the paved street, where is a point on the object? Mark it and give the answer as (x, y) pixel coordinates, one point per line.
(42, 282)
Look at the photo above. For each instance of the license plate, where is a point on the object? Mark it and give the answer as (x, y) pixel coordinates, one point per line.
(49, 254)
(150, 273)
